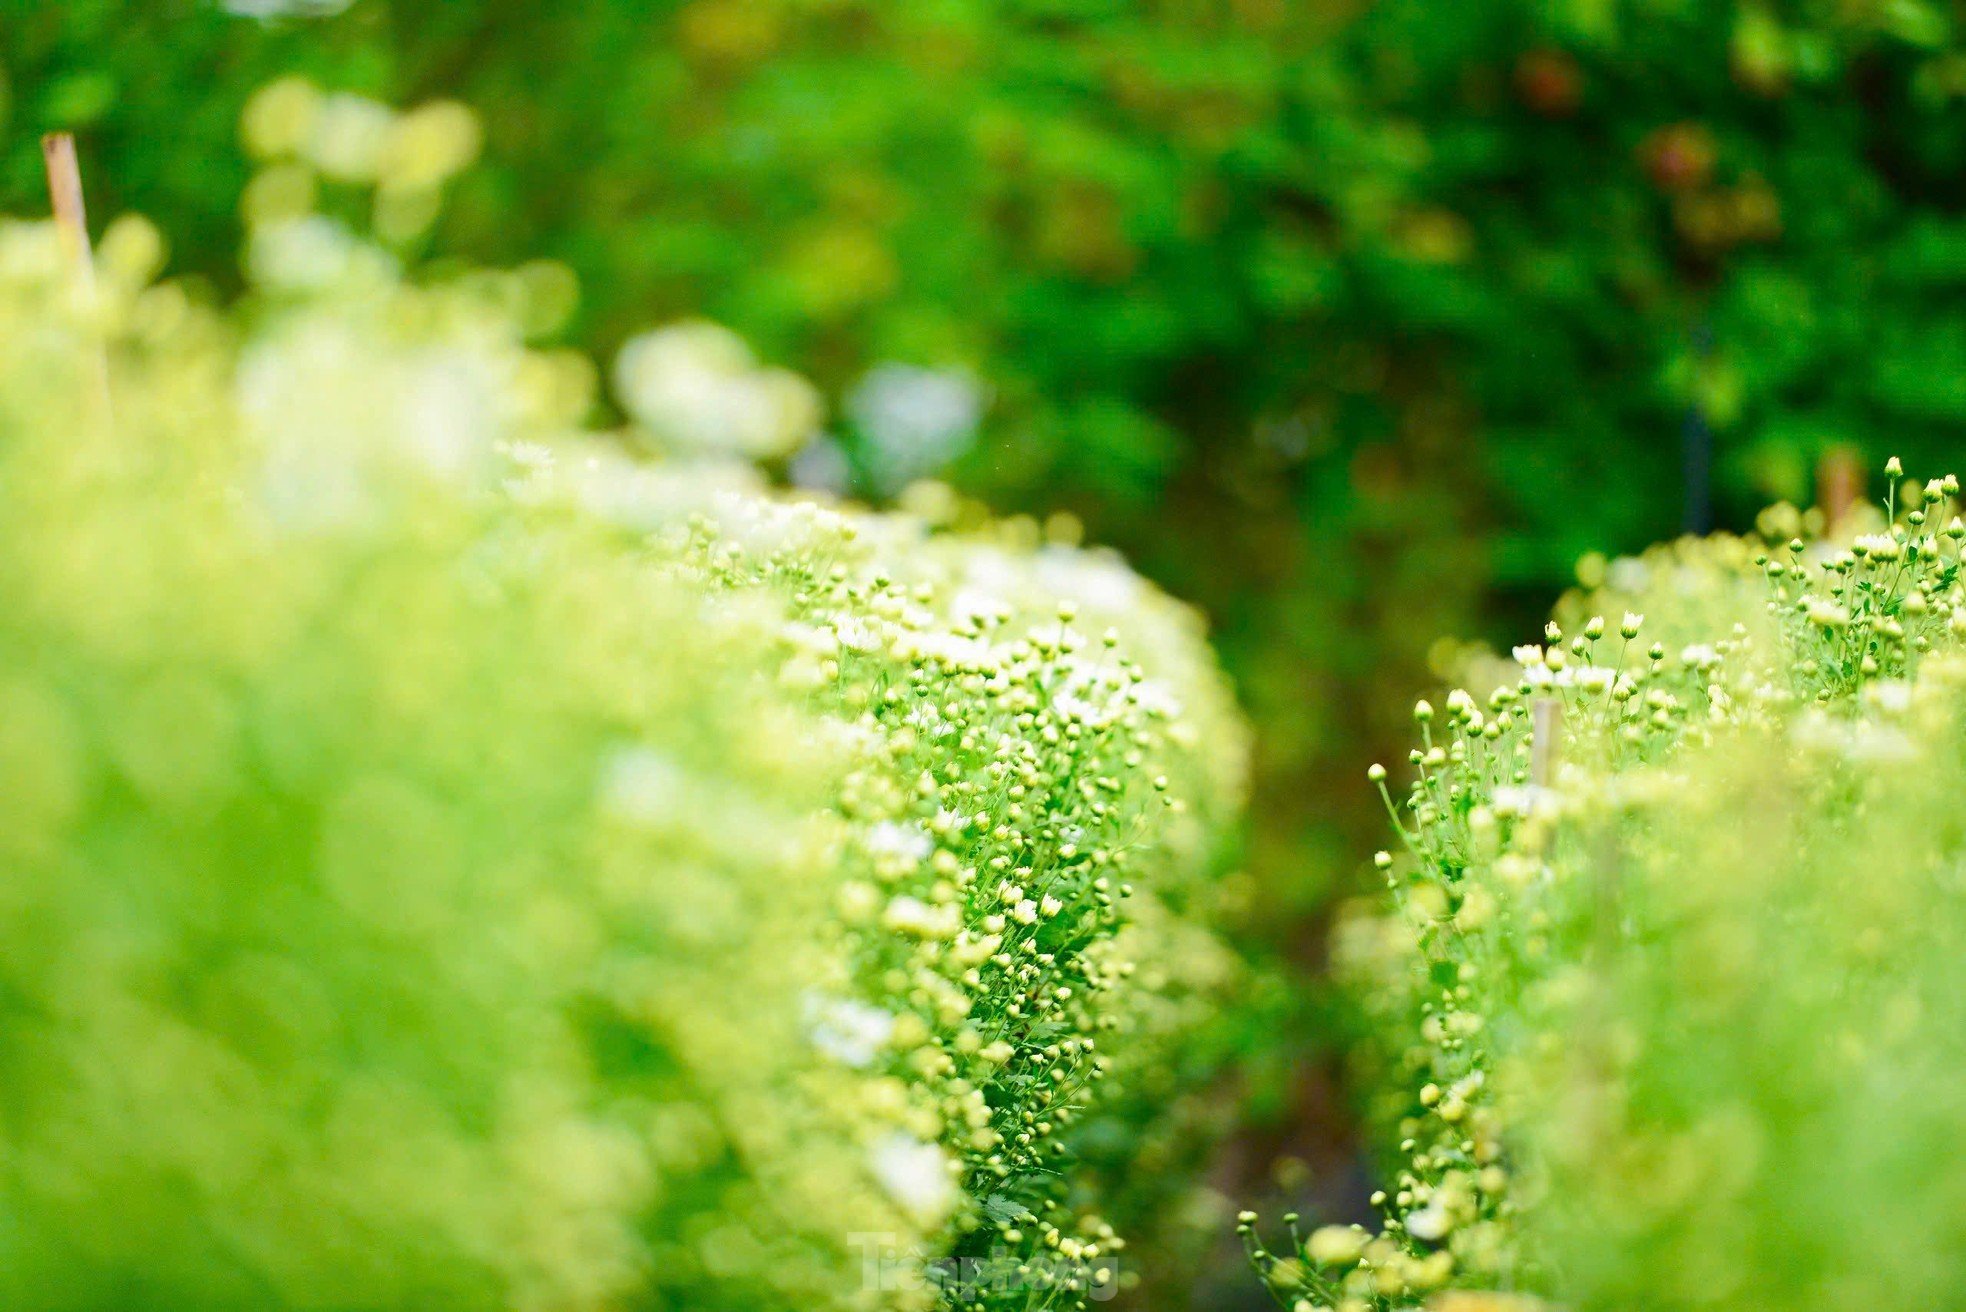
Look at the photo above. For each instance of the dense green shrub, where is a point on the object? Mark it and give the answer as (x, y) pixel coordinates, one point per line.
(1666, 994)
(449, 861)
(1741, 1114)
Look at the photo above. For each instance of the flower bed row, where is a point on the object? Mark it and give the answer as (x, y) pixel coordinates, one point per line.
(1665, 996)
(452, 863)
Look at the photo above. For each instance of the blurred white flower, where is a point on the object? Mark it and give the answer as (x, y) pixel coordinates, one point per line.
(1430, 1224)
(911, 915)
(350, 133)
(908, 842)
(697, 388)
(822, 466)
(337, 421)
(450, 401)
(1891, 696)
(528, 470)
(643, 786)
(848, 1031)
(1096, 579)
(1628, 574)
(271, 9)
(314, 254)
(915, 1175)
(914, 421)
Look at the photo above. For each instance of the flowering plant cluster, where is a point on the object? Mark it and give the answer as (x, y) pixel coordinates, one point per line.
(1665, 992)
(451, 862)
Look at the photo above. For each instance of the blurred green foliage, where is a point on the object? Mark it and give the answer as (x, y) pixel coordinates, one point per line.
(1356, 321)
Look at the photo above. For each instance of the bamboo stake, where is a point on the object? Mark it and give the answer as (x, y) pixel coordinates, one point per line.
(72, 223)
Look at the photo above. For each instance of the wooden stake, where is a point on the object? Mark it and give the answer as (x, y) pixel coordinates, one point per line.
(72, 222)
(65, 189)
(1839, 485)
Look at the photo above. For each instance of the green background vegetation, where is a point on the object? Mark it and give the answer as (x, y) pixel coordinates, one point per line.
(1276, 296)
(1355, 323)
